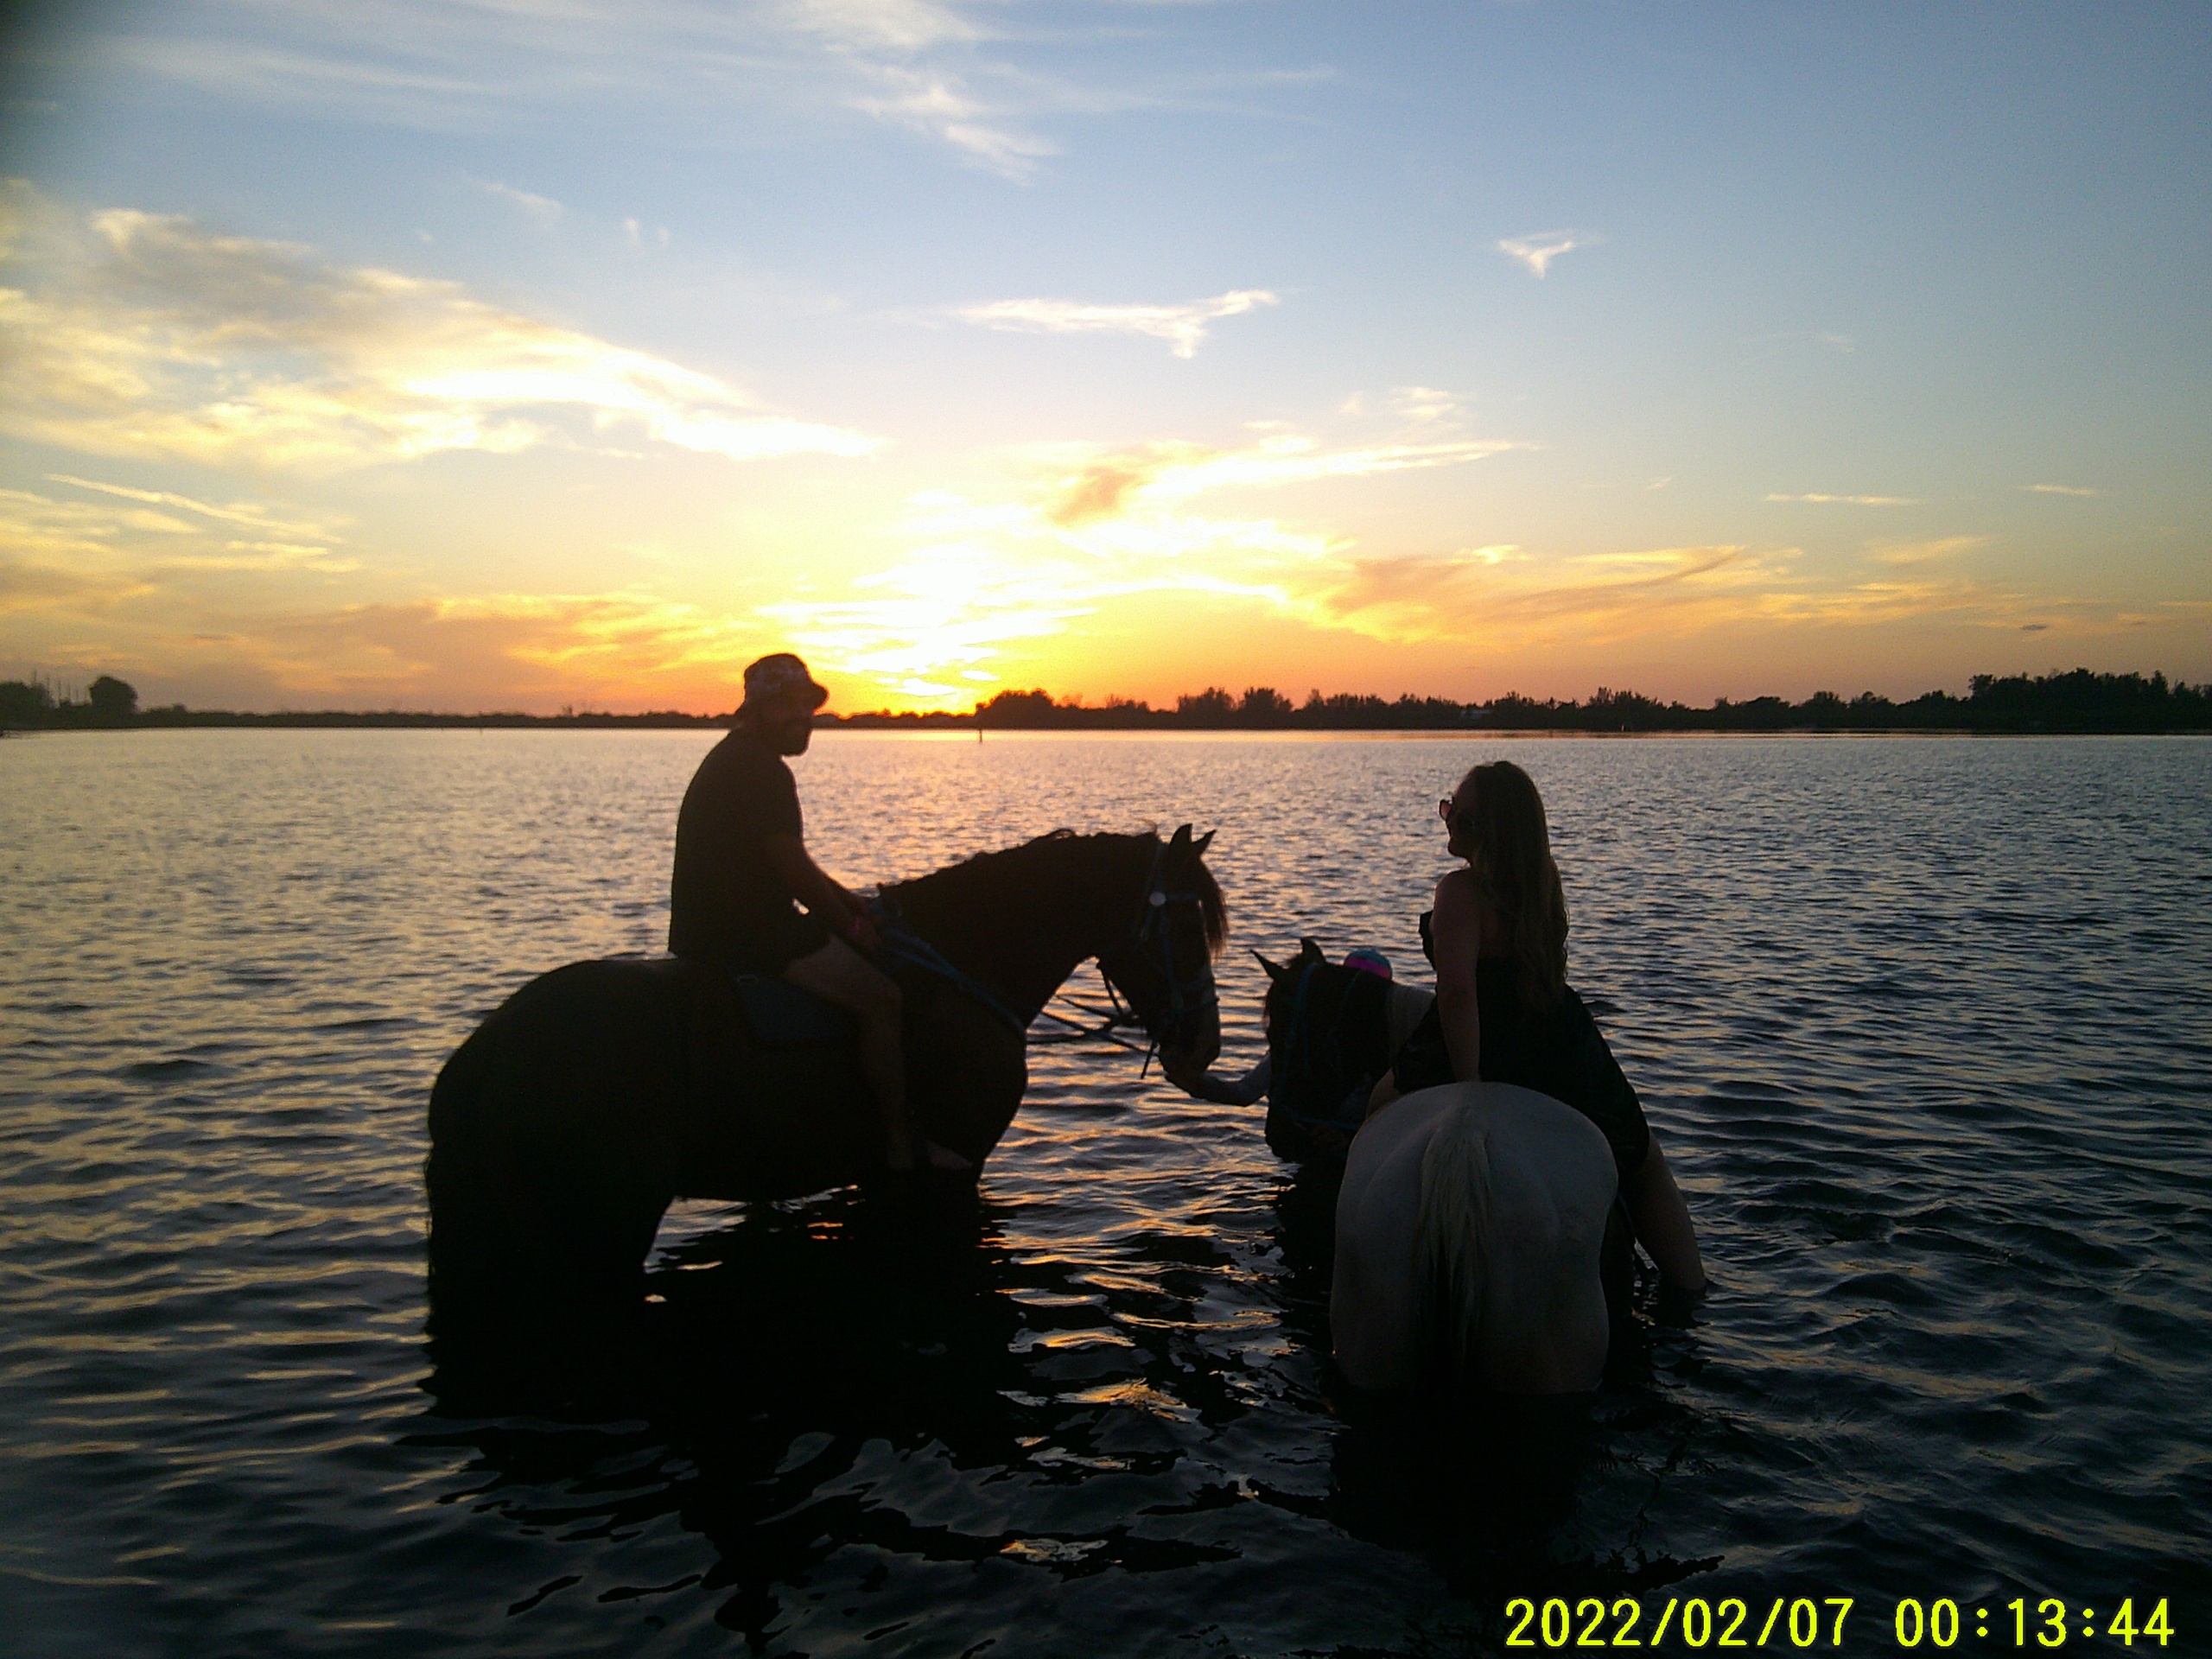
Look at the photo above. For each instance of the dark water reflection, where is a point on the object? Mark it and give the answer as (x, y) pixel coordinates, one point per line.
(1924, 1025)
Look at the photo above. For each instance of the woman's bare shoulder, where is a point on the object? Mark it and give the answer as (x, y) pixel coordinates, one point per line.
(1456, 892)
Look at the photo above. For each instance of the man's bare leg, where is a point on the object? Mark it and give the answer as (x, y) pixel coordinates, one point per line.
(837, 973)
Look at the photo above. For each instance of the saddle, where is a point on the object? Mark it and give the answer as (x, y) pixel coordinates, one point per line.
(777, 1013)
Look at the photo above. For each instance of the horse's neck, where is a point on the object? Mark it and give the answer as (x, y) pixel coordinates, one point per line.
(1024, 936)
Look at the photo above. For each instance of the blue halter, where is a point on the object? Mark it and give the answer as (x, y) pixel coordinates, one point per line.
(1150, 926)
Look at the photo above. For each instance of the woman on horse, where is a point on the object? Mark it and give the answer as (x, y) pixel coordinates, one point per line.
(1505, 1013)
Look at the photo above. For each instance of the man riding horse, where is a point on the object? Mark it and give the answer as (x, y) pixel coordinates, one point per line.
(742, 872)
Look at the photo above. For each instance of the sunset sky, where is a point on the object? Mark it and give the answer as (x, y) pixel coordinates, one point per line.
(516, 354)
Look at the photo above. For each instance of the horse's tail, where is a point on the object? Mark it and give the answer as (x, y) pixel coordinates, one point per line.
(1452, 1241)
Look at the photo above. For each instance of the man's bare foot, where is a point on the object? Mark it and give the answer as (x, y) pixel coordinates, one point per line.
(903, 1147)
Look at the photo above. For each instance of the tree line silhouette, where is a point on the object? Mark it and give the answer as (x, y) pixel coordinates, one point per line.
(2079, 701)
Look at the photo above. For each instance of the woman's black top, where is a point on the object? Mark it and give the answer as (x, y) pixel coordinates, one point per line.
(1557, 1050)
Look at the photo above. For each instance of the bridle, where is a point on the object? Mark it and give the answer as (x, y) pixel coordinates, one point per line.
(1149, 940)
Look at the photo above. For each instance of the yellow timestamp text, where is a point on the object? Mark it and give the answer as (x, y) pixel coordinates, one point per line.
(1803, 1622)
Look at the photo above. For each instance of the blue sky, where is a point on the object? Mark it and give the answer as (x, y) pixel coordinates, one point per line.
(526, 353)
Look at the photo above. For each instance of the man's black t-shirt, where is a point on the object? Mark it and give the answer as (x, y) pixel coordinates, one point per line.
(726, 905)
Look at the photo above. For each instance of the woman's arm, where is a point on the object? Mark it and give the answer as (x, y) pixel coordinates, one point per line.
(1663, 1226)
(1456, 929)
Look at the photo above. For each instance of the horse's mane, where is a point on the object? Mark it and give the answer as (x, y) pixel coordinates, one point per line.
(1032, 871)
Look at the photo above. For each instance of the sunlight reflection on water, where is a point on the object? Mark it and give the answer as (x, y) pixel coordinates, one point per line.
(1924, 1023)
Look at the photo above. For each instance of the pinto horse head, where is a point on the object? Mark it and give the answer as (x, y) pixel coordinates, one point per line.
(1163, 961)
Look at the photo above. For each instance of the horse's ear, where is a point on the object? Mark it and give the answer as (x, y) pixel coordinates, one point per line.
(1203, 842)
(1275, 971)
(1308, 948)
(1182, 838)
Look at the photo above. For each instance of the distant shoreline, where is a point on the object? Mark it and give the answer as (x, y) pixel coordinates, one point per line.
(2078, 703)
(964, 725)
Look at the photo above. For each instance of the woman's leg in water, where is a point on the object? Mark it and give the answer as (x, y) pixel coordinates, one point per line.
(1662, 1223)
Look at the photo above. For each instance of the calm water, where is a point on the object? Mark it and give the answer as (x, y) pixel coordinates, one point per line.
(1925, 1025)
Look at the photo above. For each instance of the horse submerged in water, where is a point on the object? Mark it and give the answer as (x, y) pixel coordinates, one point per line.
(564, 1126)
(1480, 1241)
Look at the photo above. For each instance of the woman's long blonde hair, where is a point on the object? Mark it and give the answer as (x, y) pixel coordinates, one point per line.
(1500, 819)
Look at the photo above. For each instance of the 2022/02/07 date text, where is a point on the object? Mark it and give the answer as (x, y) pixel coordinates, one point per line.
(1803, 1622)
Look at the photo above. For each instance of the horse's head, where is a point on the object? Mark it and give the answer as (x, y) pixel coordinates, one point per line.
(1162, 961)
(1280, 1009)
(1327, 1035)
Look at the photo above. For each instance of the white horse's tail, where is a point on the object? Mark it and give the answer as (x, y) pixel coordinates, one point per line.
(1452, 1241)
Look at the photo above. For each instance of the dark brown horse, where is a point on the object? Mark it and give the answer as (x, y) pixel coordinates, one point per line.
(562, 1127)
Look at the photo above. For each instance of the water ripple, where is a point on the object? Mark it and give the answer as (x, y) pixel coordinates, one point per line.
(1924, 1025)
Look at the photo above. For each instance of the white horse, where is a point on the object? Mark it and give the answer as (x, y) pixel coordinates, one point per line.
(1469, 1232)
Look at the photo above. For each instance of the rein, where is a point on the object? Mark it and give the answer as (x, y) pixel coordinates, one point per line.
(901, 944)
(1147, 927)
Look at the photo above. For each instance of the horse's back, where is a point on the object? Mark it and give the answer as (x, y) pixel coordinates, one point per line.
(645, 1071)
(571, 1076)
(656, 1066)
(1552, 1172)
(1548, 1185)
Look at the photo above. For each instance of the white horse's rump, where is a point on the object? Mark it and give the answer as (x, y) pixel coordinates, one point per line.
(1469, 1229)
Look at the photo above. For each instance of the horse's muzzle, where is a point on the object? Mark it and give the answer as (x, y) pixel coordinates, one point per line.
(1187, 1051)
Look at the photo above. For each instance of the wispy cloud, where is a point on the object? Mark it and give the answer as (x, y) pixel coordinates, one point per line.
(1182, 327)
(1841, 344)
(956, 74)
(1852, 500)
(1418, 406)
(1501, 596)
(881, 25)
(1133, 482)
(542, 210)
(243, 513)
(1428, 405)
(940, 104)
(1578, 601)
(131, 541)
(2057, 489)
(1537, 252)
(146, 335)
(1924, 552)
